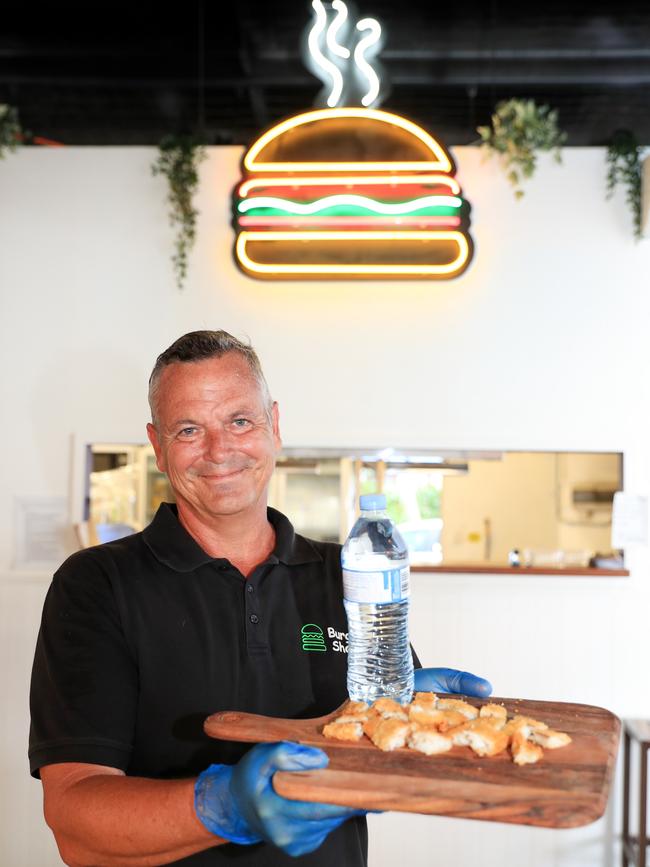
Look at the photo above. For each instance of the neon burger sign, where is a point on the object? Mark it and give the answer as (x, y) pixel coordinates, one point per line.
(348, 192)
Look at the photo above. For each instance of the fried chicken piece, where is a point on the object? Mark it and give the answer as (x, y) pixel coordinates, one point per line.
(428, 740)
(390, 709)
(549, 738)
(353, 711)
(390, 734)
(423, 708)
(495, 714)
(481, 736)
(524, 725)
(457, 704)
(450, 719)
(425, 698)
(354, 707)
(344, 731)
(351, 718)
(371, 724)
(523, 751)
(425, 714)
(518, 721)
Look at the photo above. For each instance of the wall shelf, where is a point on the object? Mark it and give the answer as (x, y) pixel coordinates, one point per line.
(472, 568)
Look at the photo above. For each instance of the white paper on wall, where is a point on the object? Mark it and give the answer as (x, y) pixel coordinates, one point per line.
(629, 520)
(41, 524)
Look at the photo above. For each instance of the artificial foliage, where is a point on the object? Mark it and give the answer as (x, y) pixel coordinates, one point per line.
(624, 167)
(178, 161)
(10, 129)
(519, 130)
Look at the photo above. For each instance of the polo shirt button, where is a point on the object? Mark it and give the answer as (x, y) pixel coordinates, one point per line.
(249, 588)
(254, 618)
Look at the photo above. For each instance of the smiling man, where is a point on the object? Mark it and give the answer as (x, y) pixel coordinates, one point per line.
(216, 435)
(217, 605)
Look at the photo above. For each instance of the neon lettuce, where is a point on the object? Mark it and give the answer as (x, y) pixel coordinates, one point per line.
(350, 204)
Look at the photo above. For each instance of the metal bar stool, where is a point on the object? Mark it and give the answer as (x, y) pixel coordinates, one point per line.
(635, 847)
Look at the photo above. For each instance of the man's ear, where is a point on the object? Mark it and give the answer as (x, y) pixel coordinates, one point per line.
(152, 433)
(275, 420)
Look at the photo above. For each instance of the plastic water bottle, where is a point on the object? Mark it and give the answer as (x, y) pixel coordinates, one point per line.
(376, 598)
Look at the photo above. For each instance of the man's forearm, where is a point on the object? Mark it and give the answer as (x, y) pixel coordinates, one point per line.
(109, 820)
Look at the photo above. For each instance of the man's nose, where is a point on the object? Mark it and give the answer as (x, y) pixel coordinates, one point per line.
(217, 445)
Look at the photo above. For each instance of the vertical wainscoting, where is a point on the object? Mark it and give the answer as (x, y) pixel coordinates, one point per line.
(25, 840)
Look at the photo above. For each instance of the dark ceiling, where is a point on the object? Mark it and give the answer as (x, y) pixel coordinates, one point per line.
(118, 73)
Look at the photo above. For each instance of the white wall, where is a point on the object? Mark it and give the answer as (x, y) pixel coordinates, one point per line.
(542, 344)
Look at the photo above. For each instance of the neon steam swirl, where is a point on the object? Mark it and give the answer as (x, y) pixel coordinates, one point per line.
(332, 31)
(330, 69)
(363, 47)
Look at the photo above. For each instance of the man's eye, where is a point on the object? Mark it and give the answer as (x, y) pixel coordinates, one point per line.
(241, 422)
(187, 431)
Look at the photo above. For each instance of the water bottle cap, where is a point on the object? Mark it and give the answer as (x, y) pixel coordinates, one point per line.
(372, 502)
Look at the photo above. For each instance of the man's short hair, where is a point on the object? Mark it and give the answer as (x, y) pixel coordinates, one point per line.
(199, 346)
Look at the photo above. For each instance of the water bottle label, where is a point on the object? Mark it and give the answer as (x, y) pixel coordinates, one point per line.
(380, 588)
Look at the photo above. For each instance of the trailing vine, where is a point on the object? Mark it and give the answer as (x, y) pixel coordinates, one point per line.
(519, 129)
(10, 129)
(178, 160)
(624, 167)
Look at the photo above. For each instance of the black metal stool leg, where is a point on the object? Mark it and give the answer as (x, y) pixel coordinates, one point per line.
(643, 805)
(626, 800)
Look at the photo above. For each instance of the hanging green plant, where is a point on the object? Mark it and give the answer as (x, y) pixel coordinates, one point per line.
(10, 129)
(178, 160)
(520, 128)
(624, 167)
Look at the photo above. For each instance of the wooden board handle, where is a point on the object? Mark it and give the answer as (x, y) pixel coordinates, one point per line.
(234, 725)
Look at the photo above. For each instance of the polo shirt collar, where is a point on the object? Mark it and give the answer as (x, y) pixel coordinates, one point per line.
(290, 547)
(172, 545)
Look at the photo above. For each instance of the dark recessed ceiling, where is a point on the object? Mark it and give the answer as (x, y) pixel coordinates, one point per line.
(129, 74)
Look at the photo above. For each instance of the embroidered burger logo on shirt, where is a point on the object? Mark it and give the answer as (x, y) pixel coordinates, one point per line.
(313, 638)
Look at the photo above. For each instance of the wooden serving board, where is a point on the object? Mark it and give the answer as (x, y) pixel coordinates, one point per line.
(568, 787)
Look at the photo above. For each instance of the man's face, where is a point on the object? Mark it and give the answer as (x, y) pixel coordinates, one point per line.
(213, 437)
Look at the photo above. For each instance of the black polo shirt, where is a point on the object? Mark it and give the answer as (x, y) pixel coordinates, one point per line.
(143, 638)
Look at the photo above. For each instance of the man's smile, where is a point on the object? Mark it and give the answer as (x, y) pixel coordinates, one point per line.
(219, 477)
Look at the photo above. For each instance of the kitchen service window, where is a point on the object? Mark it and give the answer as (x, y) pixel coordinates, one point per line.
(479, 510)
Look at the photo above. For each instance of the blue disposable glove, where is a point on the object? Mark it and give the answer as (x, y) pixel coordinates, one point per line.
(451, 680)
(238, 802)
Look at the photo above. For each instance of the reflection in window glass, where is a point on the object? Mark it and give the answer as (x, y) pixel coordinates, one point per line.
(413, 498)
(367, 479)
(314, 502)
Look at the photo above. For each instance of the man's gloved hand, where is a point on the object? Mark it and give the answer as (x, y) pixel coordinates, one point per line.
(238, 802)
(451, 680)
